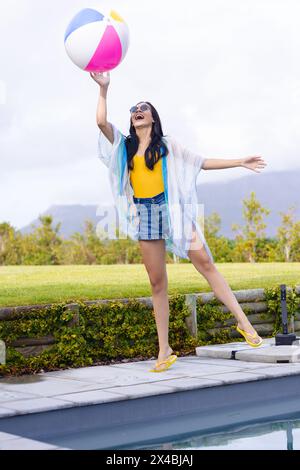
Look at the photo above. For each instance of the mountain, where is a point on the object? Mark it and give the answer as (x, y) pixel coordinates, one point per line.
(72, 218)
(276, 191)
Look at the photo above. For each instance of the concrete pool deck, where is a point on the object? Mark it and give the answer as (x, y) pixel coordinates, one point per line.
(94, 385)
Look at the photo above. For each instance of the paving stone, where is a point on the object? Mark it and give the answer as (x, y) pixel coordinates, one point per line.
(209, 360)
(267, 352)
(224, 351)
(5, 435)
(43, 386)
(236, 377)
(92, 398)
(36, 405)
(25, 444)
(190, 383)
(139, 365)
(186, 358)
(271, 354)
(96, 372)
(188, 369)
(6, 412)
(280, 371)
(234, 364)
(110, 376)
(6, 396)
(207, 370)
(143, 390)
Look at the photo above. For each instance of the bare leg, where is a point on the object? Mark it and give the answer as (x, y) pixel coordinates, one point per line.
(219, 285)
(153, 255)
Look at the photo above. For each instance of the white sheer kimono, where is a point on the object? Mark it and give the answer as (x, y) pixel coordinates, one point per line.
(180, 170)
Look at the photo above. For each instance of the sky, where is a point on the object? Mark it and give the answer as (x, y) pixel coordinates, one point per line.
(223, 76)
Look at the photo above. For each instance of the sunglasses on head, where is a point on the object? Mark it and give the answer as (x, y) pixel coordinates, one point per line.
(143, 107)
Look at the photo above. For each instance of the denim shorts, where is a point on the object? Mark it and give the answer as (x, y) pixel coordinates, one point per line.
(153, 215)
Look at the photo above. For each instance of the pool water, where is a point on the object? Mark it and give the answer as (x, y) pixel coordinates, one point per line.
(277, 435)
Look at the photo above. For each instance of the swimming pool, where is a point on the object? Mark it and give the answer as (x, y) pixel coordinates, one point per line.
(207, 417)
(278, 435)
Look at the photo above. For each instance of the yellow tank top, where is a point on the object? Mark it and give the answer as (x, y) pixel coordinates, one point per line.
(146, 182)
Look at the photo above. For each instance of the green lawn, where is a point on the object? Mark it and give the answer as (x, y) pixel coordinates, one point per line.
(24, 285)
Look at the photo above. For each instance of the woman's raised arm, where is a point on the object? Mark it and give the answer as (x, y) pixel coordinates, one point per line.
(101, 116)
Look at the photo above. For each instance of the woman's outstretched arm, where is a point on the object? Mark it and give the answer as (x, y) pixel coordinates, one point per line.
(252, 163)
(101, 115)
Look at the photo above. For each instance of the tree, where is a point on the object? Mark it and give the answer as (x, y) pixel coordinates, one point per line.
(288, 234)
(43, 244)
(219, 245)
(251, 234)
(10, 245)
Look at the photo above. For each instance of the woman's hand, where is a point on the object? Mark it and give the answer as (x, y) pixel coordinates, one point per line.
(99, 78)
(253, 163)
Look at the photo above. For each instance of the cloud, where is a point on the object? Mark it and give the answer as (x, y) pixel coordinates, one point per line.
(223, 76)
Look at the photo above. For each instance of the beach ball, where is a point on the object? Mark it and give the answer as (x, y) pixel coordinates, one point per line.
(95, 41)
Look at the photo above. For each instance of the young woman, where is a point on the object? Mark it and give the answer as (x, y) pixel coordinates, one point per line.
(148, 171)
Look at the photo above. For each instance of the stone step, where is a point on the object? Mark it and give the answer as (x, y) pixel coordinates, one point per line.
(267, 352)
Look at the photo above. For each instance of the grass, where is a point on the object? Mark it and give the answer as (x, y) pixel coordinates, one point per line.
(25, 285)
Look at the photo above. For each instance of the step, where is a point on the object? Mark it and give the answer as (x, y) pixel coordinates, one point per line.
(267, 352)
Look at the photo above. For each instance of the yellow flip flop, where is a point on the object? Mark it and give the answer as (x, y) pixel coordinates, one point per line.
(169, 361)
(245, 334)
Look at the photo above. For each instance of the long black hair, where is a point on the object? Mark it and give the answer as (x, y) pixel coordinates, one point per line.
(154, 151)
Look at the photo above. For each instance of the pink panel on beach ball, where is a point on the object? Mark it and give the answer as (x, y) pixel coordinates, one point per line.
(108, 53)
